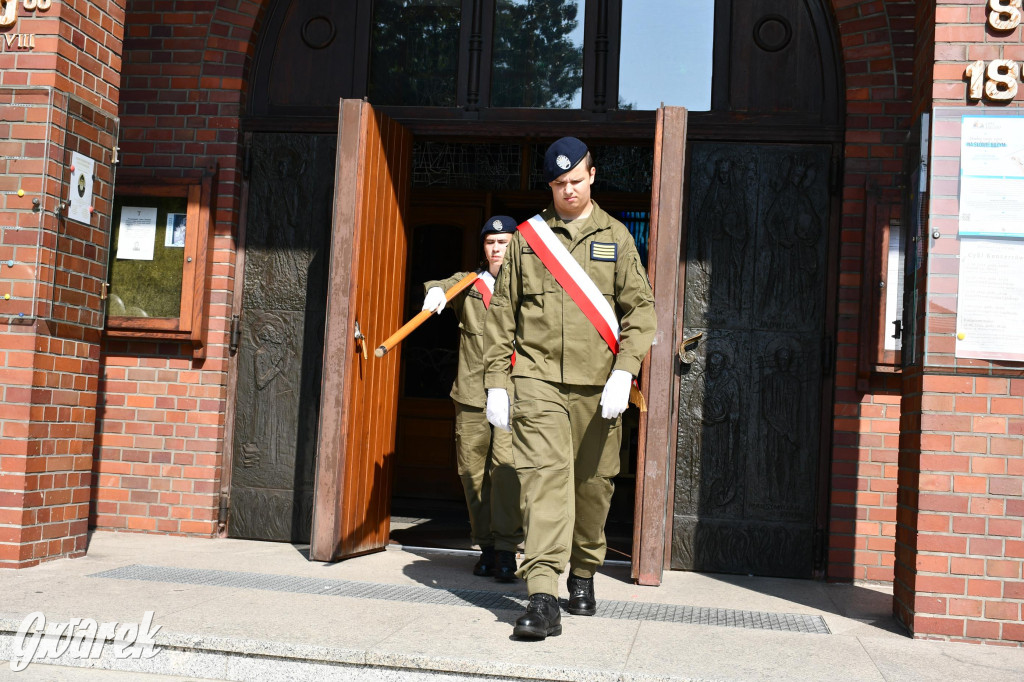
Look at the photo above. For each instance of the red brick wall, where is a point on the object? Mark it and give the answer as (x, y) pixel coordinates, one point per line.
(878, 49)
(158, 448)
(160, 429)
(51, 314)
(960, 553)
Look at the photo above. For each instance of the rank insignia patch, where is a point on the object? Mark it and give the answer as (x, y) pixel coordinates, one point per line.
(602, 251)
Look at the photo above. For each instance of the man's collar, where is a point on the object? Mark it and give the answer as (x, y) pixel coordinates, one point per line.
(596, 220)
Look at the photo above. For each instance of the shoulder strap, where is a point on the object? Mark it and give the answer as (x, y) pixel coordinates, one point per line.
(573, 278)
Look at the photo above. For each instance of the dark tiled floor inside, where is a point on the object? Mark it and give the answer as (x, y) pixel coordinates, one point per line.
(443, 524)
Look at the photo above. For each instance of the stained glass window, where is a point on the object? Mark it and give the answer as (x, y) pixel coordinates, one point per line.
(466, 166)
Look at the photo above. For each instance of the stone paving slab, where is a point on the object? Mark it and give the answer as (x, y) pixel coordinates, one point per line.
(237, 631)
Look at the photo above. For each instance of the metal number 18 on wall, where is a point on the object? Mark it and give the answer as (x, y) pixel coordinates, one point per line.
(9, 9)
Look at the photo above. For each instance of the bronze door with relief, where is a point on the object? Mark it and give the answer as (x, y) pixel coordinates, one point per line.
(280, 337)
(746, 496)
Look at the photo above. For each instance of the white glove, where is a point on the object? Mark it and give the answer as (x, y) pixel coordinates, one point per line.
(615, 397)
(497, 408)
(434, 300)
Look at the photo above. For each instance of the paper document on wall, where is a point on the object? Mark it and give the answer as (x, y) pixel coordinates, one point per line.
(989, 321)
(136, 235)
(80, 191)
(992, 176)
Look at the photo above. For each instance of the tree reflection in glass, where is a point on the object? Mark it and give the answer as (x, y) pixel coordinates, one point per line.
(537, 54)
(414, 52)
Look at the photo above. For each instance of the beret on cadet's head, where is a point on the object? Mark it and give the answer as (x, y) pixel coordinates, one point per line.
(499, 224)
(562, 156)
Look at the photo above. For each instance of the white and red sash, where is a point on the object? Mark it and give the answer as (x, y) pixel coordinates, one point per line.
(485, 293)
(573, 278)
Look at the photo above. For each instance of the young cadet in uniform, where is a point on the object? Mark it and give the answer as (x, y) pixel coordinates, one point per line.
(484, 453)
(568, 386)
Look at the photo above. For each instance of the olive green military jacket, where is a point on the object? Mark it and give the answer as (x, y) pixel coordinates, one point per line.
(554, 340)
(468, 306)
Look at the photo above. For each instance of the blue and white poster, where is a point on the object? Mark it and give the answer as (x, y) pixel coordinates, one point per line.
(992, 176)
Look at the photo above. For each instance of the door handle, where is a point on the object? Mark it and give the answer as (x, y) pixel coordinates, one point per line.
(688, 349)
(361, 340)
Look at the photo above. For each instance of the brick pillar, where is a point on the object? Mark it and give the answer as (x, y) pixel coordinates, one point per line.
(58, 96)
(959, 551)
(959, 546)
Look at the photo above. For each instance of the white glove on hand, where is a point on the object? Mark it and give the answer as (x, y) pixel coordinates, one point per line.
(497, 408)
(434, 300)
(615, 398)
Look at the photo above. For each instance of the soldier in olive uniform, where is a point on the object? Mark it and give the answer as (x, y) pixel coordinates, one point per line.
(568, 387)
(484, 453)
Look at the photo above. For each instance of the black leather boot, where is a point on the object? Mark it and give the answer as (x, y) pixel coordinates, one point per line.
(581, 596)
(505, 566)
(485, 564)
(543, 617)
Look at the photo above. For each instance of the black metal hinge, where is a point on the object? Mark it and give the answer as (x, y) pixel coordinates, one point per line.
(236, 334)
(820, 549)
(222, 512)
(247, 157)
(835, 175)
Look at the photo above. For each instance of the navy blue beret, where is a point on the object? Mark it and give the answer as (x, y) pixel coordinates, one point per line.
(562, 156)
(499, 224)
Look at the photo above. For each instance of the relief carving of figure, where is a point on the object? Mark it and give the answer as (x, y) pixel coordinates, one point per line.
(721, 256)
(269, 364)
(719, 444)
(277, 261)
(780, 411)
(793, 228)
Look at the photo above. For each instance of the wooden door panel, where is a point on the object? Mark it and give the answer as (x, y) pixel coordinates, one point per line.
(365, 292)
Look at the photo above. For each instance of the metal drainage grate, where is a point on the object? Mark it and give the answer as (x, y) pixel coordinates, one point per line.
(622, 610)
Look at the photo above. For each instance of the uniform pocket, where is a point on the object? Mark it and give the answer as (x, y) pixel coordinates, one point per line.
(603, 275)
(474, 315)
(533, 274)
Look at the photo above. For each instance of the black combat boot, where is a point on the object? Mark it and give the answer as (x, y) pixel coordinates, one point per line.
(485, 564)
(581, 596)
(505, 569)
(543, 617)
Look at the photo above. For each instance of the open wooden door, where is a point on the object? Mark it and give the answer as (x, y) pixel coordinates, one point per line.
(366, 285)
(656, 442)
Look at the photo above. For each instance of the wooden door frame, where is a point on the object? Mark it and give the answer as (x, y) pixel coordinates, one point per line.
(656, 441)
(334, 400)
(237, 291)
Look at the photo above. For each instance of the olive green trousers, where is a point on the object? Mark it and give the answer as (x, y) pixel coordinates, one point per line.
(489, 479)
(566, 455)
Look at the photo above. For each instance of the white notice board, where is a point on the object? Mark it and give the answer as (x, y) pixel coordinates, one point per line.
(992, 176)
(990, 299)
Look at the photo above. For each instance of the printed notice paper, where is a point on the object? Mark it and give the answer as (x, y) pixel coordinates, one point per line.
(80, 191)
(174, 232)
(990, 300)
(992, 176)
(136, 235)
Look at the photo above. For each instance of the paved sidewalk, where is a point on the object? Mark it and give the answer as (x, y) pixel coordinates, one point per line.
(242, 610)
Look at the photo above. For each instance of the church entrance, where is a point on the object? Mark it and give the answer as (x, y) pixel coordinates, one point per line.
(456, 186)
